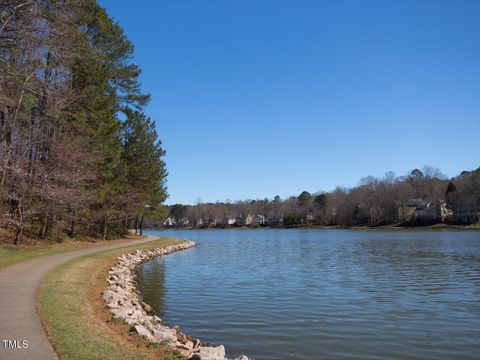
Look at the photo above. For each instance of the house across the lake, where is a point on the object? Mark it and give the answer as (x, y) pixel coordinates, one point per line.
(229, 221)
(169, 222)
(434, 212)
(258, 220)
(241, 220)
(421, 212)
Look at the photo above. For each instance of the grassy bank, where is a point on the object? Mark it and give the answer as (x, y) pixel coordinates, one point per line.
(73, 314)
(10, 254)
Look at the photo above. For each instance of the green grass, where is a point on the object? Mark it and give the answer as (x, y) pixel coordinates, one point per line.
(73, 314)
(10, 256)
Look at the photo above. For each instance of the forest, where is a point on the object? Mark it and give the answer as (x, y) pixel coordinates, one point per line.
(422, 197)
(74, 140)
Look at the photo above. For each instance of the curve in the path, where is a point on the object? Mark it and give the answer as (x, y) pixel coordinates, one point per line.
(19, 285)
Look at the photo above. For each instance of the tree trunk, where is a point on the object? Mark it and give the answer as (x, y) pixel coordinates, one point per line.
(43, 231)
(14, 120)
(136, 225)
(72, 229)
(105, 223)
(18, 235)
(141, 226)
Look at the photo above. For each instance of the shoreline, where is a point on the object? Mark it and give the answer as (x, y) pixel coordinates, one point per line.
(471, 227)
(124, 302)
(21, 285)
(75, 319)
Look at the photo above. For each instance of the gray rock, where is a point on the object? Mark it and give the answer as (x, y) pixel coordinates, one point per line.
(147, 308)
(209, 353)
(124, 302)
(185, 349)
(144, 332)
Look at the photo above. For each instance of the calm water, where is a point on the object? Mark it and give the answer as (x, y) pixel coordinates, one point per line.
(324, 294)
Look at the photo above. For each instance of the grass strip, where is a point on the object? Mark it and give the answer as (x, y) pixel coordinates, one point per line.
(12, 254)
(74, 317)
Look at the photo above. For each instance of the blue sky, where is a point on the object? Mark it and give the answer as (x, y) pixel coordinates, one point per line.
(257, 98)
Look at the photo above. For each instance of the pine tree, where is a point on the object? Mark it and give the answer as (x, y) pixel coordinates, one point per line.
(145, 170)
(66, 81)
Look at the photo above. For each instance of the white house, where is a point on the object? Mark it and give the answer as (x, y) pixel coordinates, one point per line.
(229, 221)
(169, 222)
(258, 220)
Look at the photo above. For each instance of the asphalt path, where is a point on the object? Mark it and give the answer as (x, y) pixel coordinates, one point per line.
(21, 333)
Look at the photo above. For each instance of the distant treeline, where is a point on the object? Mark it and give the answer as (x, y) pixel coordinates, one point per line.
(422, 197)
(77, 154)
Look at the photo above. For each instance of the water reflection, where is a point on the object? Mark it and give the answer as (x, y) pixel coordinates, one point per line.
(152, 279)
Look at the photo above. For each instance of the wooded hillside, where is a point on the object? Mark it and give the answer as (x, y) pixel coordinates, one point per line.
(423, 197)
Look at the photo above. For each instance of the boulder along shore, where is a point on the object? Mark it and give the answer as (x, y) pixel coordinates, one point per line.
(123, 300)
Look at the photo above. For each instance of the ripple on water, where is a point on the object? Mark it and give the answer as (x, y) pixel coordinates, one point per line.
(322, 294)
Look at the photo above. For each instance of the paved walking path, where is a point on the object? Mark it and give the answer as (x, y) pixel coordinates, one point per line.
(19, 285)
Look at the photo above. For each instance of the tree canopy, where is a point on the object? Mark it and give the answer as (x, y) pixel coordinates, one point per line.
(389, 200)
(77, 153)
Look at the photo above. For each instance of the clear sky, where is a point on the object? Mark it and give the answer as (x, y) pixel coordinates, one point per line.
(257, 98)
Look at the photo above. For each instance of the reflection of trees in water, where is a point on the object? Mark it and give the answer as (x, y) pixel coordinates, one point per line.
(151, 283)
(423, 267)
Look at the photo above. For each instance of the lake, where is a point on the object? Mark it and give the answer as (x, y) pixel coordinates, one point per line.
(323, 294)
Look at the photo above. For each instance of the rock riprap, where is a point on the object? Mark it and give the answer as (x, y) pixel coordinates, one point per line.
(123, 300)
